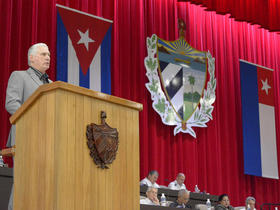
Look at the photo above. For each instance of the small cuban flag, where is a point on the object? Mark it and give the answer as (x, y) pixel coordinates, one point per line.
(258, 120)
(83, 49)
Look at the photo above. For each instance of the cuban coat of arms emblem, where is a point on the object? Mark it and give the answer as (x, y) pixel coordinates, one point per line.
(103, 142)
(177, 76)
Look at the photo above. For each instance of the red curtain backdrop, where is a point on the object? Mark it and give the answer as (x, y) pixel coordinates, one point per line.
(214, 160)
(262, 12)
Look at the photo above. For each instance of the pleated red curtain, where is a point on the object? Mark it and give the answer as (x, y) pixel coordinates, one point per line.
(262, 12)
(220, 150)
(214, 160)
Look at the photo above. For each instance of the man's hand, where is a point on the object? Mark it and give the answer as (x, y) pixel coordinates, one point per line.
(155, 200)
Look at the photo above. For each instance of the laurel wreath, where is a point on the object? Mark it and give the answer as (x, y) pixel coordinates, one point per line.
(161, 105)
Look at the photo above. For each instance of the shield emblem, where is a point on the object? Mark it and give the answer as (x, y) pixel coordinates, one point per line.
(177, 77)
(182, 71)
(103, 142)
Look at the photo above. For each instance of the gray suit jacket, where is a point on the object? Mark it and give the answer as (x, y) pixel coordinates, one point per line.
(21, 85)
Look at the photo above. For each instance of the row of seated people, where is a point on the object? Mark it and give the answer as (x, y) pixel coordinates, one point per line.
(183, 198)
(184, 195)
(152, 198)
(152, 177)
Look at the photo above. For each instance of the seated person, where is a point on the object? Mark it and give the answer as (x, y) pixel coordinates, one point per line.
(178, 184)
(182, 200)
(224, 203)
(151, 197)
(150, 180)
(250, 203)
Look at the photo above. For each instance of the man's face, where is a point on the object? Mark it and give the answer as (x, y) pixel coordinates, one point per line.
(184, 198)
(41, 59)
(251, 203)
(152, 194)
(180, 180)
(153, 178)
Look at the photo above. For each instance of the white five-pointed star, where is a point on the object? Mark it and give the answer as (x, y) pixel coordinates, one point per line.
(84, 39)
(265, 86)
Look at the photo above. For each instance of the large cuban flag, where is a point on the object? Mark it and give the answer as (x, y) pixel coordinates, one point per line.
(83, 49)
(258, 120)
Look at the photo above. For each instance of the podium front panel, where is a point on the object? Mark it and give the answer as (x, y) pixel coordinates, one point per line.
(53, 168)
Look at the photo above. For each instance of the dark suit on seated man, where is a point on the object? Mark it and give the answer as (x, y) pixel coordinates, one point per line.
(22, 84)
(182, 200)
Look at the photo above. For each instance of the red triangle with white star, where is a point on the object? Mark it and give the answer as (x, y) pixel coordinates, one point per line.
(86, 33)
(265, 78)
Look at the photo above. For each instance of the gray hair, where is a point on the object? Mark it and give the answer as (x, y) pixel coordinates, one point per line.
(150, 189)
(33, 49)
(180, 174)
(250, 198)
(182, 192)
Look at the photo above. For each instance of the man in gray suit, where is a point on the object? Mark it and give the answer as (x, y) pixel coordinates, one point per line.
(22, 84)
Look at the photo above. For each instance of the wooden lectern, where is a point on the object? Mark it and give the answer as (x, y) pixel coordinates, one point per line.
(52, 166)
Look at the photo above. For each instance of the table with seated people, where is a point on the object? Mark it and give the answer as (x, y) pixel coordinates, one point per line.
(171, 196)
(150, 207)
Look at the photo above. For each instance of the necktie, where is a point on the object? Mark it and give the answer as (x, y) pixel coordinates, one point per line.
(44, 78)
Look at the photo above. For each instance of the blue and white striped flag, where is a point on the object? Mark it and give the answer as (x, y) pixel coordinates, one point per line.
(83, 49)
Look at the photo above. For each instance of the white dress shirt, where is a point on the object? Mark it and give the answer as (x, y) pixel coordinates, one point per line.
(148, 183)
(147, 201)
(175, 186)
